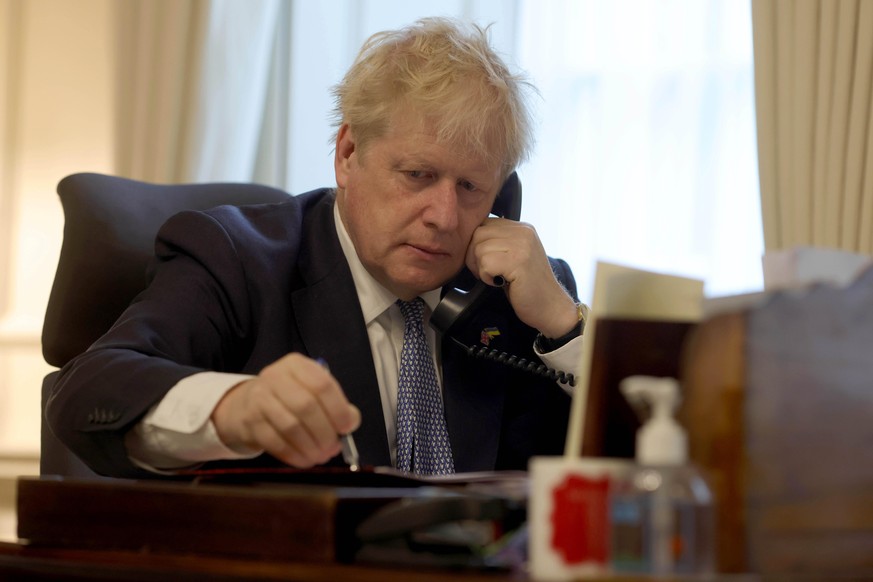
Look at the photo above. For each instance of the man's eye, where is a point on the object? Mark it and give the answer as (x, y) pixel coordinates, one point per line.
(468, 186)
(416, 174)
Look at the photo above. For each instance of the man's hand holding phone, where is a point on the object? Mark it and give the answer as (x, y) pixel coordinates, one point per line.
(513, 251)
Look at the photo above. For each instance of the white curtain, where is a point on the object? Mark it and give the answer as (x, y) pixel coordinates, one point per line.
(647, 144)
(158, 53)
(814, 76)
(192, 85)
(646, 148)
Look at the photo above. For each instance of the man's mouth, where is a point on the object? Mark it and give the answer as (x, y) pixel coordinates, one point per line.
(430, 251)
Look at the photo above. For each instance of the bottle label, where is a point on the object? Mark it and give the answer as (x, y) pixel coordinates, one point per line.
(628, 550)
(652, 539)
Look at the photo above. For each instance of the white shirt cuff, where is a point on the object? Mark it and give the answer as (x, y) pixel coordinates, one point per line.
(566, 358)
(178, 431)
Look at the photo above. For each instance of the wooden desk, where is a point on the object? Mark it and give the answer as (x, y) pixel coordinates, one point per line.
(158, 531)
(130, 531)
(779, 407)
(256, 531)
(47, 562)
(20, 562)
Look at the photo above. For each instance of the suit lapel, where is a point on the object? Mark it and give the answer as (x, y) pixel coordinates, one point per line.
(332, 327)
(474, 394)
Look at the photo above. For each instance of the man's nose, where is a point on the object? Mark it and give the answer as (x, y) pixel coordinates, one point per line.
(442, 205)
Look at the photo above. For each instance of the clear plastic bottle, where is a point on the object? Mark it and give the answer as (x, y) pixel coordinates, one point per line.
(662, 516)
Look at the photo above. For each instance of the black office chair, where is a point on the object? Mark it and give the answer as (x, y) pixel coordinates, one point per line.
(110, 225)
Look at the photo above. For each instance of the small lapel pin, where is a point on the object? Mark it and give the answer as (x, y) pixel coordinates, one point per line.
(488, 334)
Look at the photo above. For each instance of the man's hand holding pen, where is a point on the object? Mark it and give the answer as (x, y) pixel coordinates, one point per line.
(294, 410)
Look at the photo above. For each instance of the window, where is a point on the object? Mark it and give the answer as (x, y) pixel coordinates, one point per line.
(646, 150)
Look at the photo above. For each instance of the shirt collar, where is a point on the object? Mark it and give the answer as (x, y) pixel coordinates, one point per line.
(373, 297)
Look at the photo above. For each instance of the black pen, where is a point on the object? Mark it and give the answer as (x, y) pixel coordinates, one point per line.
(350, 451)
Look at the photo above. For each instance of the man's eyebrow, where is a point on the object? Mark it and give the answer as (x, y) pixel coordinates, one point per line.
(412, 159)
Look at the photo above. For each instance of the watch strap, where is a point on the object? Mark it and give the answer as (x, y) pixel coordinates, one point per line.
(546, 344)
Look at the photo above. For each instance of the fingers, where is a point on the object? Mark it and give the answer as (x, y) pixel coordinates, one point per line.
(320, 398)
(503, 250)
(512, 251)
(294, 410)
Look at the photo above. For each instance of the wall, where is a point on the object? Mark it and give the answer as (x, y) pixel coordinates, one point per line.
(56, 113)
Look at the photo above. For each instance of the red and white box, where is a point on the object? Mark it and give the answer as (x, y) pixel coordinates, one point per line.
(568, 515)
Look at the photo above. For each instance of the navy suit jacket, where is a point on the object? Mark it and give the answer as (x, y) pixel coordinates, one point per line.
(235, 288)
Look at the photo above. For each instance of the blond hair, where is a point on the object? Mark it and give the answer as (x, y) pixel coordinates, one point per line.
(446, 72)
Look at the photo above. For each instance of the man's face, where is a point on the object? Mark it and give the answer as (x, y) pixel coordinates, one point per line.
(411, 204)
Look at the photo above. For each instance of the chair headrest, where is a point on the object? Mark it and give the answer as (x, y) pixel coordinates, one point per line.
(110, 225)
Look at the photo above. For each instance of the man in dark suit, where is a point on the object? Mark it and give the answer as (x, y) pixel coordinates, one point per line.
(269, 331)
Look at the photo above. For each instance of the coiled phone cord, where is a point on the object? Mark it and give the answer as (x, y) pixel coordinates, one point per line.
(516, 362)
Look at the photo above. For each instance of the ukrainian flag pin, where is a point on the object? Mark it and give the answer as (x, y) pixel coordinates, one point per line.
(488, 334)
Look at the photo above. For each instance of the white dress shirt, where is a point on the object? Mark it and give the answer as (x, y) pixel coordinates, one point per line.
(178, 431)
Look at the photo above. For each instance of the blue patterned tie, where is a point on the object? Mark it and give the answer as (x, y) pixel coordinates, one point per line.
(422, 438)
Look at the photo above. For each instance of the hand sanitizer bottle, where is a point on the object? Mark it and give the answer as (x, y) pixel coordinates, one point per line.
(662, 515)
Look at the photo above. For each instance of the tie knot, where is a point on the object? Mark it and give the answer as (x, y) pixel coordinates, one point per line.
(412, 310)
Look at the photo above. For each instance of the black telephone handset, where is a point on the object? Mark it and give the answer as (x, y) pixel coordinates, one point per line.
(458, 305)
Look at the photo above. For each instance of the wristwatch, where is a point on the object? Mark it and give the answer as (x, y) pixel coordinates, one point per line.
(545, 344)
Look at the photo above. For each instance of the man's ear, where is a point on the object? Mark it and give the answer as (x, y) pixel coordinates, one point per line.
(345, 147)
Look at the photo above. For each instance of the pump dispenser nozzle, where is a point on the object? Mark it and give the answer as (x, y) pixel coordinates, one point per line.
(661, 440)
(666, 502)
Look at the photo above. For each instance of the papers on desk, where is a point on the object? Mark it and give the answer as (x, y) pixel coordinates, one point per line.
(795, 270)
(804, 266)
(366, 476)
